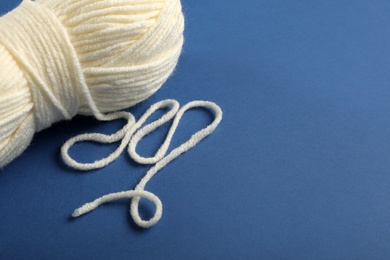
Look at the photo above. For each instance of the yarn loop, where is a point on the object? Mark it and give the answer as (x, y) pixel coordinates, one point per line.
(131, 134)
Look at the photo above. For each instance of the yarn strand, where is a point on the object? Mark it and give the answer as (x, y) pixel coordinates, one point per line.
(160, 159)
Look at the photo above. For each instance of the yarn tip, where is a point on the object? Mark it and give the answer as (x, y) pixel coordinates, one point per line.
(83, 210)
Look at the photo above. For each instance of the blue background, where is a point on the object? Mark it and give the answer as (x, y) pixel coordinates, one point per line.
(298, 169)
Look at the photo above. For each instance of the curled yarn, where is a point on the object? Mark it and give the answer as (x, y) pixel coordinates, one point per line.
(59, 58)
(130, 135)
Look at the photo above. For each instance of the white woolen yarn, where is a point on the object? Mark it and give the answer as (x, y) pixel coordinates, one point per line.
(59, 58)
(130, 135)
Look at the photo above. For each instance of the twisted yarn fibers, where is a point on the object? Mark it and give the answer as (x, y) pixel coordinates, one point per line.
(59, 58)
(131, 134)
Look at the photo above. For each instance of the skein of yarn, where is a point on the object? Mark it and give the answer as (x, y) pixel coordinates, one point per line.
(59, 58)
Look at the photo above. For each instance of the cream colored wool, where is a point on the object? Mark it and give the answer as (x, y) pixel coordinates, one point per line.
(130, 135)
(59, 58)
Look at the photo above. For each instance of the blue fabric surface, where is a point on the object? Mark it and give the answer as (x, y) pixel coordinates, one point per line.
(298, 169)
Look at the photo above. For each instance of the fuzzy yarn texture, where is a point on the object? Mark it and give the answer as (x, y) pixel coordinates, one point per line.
(130, 135)
(60, 58)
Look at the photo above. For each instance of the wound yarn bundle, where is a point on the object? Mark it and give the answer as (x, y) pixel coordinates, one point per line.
(59, 58)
